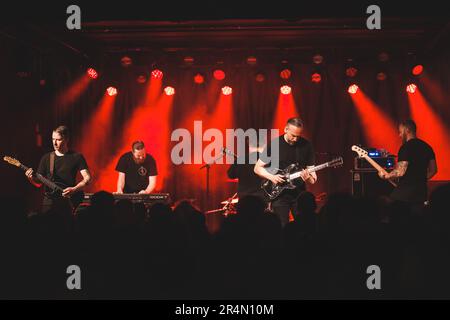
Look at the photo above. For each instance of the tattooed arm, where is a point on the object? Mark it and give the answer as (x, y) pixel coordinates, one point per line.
(399, 170)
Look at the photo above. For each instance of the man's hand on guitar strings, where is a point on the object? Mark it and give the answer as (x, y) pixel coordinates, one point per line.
(67, 192)
(383, 175)
(29, 173)
(305, 175)
(277, 178)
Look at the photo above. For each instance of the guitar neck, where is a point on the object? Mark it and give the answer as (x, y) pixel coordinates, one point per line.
(374, 164)
(48, 183)
(313, 169)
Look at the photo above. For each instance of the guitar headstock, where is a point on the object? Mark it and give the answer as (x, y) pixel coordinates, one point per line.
(12, 161)
(229, 152)
(336, 162)
(360, 151)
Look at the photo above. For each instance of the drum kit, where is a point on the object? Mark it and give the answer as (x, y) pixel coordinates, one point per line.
(229, 206)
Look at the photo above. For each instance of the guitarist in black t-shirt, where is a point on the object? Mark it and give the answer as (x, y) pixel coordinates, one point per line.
(61, 167)
(415, 166)
(293, 149)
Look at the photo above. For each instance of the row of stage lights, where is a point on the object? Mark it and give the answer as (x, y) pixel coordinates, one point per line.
(285, 74)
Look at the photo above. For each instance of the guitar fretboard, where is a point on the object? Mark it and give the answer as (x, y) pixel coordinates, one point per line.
(48, 183)
(313, 169)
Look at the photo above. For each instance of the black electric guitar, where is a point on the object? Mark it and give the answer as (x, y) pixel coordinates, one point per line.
(291, 173)
(54, 189)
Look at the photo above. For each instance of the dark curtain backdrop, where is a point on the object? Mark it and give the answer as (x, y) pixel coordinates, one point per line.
(332, 123)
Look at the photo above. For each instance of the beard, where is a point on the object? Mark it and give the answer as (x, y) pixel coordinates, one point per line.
(404, 140)
(139, 161)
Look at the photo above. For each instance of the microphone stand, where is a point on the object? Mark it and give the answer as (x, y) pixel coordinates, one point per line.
(208, 166)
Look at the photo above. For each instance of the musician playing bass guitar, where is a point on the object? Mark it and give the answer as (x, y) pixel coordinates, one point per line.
(416, 165)
(292, 149)
(61, 166)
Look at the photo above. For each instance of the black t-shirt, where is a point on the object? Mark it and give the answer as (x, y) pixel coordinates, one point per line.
(65, 169)
(249, 181)
(301, 153)
(136, 175)
(412, 187)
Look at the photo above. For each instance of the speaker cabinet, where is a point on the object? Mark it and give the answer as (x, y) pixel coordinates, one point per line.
(367, 183)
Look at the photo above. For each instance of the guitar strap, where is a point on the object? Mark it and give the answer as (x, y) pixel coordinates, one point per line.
(52, 164)
(297, 156)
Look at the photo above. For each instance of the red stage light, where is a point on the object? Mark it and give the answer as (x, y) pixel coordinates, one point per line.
(141, 79)
(188, 60)
(285, 74)
(251, 60)
(126, 61)
(353, 89)
(381, 76)
(199, 79)
(411, 88)
(170, 91)
(259, 77)
(351, 72)
(285, 90)
(92, 73)
(417, 70)
(227, 90)
(316, 77)
(112, 91)
(157, 74)
(219, 74)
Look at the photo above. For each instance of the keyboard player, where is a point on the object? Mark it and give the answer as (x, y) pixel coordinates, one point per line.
(137, 171)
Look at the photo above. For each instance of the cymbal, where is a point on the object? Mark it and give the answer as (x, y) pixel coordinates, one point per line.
(235, 200)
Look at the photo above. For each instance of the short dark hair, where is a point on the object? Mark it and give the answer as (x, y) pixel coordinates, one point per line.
(410, 125)
(296, 122)
(63, 131)
(137, 145)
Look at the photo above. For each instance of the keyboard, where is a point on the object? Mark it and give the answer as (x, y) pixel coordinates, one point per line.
(135, 197)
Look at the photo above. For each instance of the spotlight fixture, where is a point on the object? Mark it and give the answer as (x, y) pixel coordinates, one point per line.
(381, 76)
(317, 59)
(259, 77)
(112, 91)
(188, 60)
(351, 69)
(352, 89)
(351, 72)
(417, 69)
(251, 60)
(170, 91)
(141, 79)
(157, 74)
(126, 61)
(411, 88)
(199, 78)
(285, 89)
(92, 73)
(227, 90)
(316, 77)
(219, 74)
(285, 74)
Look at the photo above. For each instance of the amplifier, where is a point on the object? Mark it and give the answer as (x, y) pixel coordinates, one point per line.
(367, 183)
(387, 162)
